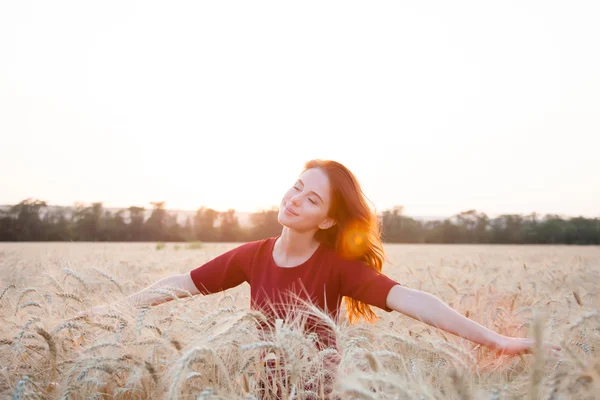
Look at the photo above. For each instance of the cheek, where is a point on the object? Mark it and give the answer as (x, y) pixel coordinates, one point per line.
(287, 195)
(316, 214)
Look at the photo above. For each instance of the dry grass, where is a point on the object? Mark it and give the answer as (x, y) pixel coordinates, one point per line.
(208, 347)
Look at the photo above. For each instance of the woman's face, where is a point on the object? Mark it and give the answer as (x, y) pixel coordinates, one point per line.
(305, 205)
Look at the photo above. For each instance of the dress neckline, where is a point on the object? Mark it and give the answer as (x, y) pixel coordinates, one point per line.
(272, 247)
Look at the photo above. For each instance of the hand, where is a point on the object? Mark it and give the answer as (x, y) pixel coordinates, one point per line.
(513, 346)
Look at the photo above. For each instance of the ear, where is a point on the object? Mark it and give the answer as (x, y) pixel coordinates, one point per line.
(327, 223)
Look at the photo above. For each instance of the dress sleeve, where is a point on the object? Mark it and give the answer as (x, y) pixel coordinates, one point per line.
(364, 284)
(223, 272)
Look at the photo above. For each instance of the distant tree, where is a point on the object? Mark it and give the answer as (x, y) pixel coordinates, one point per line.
(116, 227)
(264, 224)
(8, 227)
(28, 224)
(473, 227)
(33, 219)
(136, 223)
(586, 231)
(229, 227)
(530, 230)
(398, 228)
(88, 222)
(56, 225)
(187, 231)
(391, 223)
(154, 227)
(204, 225)
(507, 229)
(172, 231)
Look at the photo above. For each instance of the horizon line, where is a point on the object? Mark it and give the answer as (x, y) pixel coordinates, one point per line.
(378, 211)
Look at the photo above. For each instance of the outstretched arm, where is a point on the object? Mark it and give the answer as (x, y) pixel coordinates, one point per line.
(430, 309)
(157, 293)
(220, 273)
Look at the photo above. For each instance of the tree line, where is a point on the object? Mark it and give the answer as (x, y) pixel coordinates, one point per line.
(35, 220)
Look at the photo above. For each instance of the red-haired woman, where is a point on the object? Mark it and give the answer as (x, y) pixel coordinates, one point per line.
(329, 249)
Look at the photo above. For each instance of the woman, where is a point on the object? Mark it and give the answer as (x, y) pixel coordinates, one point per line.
(329, 249)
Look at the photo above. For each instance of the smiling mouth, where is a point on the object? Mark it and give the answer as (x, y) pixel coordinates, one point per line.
(290, 211)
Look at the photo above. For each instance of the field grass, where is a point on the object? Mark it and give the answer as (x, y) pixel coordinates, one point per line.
(206, 346)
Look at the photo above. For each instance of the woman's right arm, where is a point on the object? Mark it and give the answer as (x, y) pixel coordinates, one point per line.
(223, 272)
(154, 294)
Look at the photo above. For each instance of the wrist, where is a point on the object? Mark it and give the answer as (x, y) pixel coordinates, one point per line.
(499, 342)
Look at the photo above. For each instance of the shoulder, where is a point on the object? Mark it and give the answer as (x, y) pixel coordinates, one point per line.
(338, 263)
(347, 268)
(254, 246)
(334, 257)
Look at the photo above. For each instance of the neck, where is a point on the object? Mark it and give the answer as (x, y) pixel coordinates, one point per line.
(294, 243)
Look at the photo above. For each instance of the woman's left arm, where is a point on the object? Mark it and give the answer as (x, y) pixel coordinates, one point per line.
(430, 309)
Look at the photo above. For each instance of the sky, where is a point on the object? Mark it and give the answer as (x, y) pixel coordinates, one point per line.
(437, 106)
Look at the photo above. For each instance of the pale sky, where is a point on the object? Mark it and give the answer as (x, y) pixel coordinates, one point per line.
(438, 106)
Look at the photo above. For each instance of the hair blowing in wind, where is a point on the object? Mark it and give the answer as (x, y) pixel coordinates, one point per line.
(356, 234)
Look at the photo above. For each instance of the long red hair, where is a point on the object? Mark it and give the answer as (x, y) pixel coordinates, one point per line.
(356, 234)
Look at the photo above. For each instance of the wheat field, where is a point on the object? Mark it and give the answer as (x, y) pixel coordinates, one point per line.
(206, 347)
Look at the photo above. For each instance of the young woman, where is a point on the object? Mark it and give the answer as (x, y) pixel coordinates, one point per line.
(329, 249)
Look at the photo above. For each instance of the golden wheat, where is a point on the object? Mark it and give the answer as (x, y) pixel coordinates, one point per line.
(208, 346)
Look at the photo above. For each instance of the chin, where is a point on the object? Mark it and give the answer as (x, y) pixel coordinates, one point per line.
(281, 217)
(283, 220)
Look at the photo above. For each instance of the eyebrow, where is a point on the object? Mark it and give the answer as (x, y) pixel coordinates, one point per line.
(312, 191)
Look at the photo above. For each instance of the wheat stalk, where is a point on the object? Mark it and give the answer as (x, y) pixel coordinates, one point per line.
(459, 385)
(21, 333)
(103, 345)
(154, 327)
(190, 357)
(106, 327)
(29, 304)
(107, 368)
(23, 390)
(585, 317)
(386, 380)
(55, 282)
(151, 370)
(439, 344)
(69, 296)
(577, 298)
(119, 318)
(373, 362)
(93, 381)
(522, 310)
(140, 319)
(109, 277)
(6, 288)
(65, 325)
(538, 361)
(24, 293)
(353, 389)
(260, 345)
(75, 275)
(51, 347)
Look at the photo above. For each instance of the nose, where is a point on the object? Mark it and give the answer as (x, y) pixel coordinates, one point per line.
(295, 200)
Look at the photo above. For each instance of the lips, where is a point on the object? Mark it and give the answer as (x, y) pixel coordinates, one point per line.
(290, 211)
